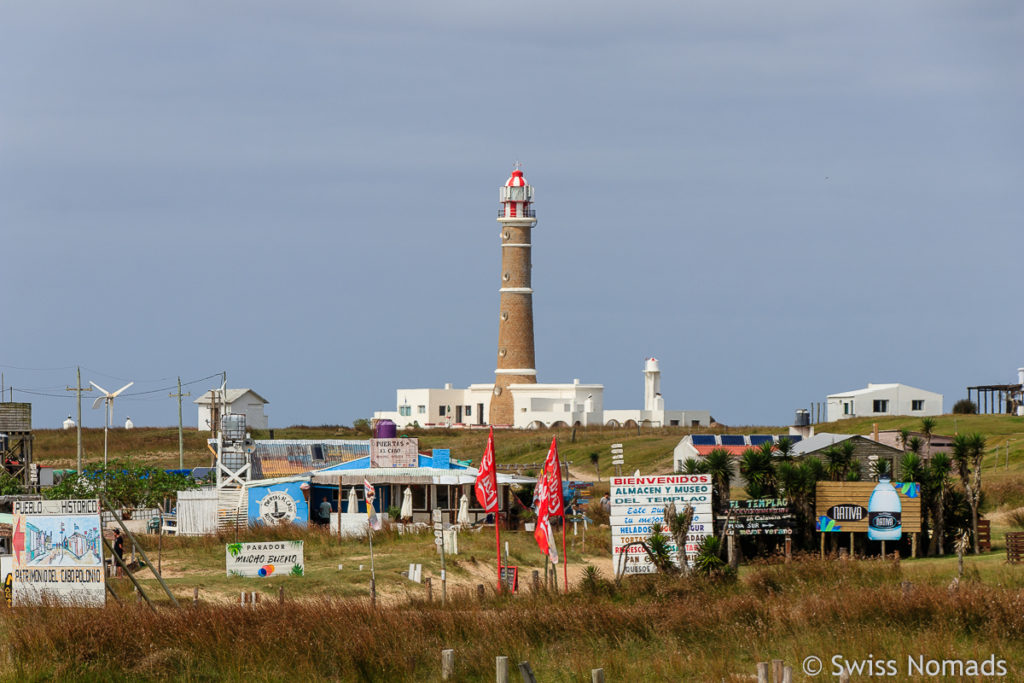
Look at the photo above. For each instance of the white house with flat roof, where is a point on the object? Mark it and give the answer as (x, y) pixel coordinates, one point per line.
(882, 400)
(654, 413)
(534, 405)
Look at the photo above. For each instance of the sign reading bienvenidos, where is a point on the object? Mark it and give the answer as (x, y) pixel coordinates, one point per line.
(394, 452)
(639, 502)
(843, 505)
(270, 558)
(760, 517)
(58, 553)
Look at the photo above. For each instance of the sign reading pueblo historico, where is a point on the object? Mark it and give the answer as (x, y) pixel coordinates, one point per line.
(639, 502)
(58, 554)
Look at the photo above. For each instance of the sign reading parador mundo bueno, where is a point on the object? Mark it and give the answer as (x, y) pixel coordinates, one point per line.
(639, 502)
(270, 558)
(760, 517)
(58, 553)
(843, 505)
(394, 452)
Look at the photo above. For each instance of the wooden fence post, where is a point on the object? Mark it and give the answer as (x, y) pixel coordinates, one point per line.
(447, 664)
(762, 672)
(787, 674)
(195, 596)
(280, 595)
(597, 676)
(776, 671)
(430, 589)
(480, 591)
(536, 580)
(844, 677)
(501, 669)
(526, 673)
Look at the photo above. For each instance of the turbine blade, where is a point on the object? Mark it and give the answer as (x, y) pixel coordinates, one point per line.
(121, 389)
(98, 387)
(96, 403)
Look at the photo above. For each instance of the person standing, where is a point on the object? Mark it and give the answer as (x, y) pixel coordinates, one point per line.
(118, 552)
(606, 503)
(325, 510)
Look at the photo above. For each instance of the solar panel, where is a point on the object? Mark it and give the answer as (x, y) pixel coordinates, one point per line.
(758, 439)
(704, 440)
(733, 440)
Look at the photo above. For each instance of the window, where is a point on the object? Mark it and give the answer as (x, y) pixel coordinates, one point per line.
(847, 409)
(673, 423)
(467, 411)
(917, 405)
(405, 410)
(566, 407)
(442, 497)
(695, 423)
(421, 410)
(419, 497)
(880, 406)
(440, 411)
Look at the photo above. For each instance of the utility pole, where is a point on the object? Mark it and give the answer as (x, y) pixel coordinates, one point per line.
(181, 435)
(78, 389)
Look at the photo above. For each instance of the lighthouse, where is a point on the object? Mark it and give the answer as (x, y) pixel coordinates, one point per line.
(516, 364)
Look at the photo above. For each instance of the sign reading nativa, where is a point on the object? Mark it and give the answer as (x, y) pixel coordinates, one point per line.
(394, 452)
(58, 553)
(639, 502)
(270, 558)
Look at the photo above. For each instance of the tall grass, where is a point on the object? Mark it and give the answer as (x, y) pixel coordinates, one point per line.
(650, 628)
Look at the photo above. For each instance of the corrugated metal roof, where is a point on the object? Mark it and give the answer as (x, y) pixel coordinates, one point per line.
(302, 456)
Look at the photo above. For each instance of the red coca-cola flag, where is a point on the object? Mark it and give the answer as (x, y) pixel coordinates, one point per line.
(542, 532)
(487, 479)
(553, 474)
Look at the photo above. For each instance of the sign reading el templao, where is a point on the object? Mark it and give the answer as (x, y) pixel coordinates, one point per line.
(846, 506)
(638, 502)
(760, 517)
(58, 554)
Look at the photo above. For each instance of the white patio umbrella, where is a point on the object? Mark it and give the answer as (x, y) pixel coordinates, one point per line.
(406, 512)
(353, 501)
(463, 517)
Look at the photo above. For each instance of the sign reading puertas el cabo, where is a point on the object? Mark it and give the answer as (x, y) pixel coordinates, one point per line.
(638, 502)
(58, 554)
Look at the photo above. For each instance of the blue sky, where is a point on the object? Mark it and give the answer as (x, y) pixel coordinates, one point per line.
(779, 201)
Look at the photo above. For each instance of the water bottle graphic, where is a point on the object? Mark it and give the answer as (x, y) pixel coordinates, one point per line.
(884, 511)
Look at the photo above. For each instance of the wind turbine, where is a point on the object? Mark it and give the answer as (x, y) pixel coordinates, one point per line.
(107, 397)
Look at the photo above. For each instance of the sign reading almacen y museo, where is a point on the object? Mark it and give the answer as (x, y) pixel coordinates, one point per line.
(639, 502)
(58, 553)
(269, 558)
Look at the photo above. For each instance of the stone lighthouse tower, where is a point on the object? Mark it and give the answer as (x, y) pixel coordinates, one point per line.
(516, 364)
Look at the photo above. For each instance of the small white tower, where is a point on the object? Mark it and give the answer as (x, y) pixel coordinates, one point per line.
(128, 424)
(69, 423)
(652, 386)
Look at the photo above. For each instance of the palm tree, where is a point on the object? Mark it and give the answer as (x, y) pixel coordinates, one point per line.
(914, 445)
(903, 436)
(881, 468)
(968, 451)
(927, 429)
(694, 466)
(757, 468)
(839, 460)
(719, 465)
(937, 477)
(798, 483)
(784, 449)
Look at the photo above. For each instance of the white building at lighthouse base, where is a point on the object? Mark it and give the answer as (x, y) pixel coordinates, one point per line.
(536, 406)
(539, 406)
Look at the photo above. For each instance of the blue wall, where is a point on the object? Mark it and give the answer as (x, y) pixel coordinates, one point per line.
(291, 489)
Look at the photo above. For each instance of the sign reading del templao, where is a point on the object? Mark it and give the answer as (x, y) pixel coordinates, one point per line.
(883, 509)
(639, 502)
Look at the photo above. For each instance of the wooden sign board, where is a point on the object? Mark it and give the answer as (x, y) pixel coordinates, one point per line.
(510, 577)
(760, 517)
(394, 452)
(843, 505)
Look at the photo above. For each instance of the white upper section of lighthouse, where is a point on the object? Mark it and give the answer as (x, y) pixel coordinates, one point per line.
(516, 198)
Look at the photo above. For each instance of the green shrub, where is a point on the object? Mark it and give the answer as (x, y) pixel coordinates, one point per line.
(965, 406)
